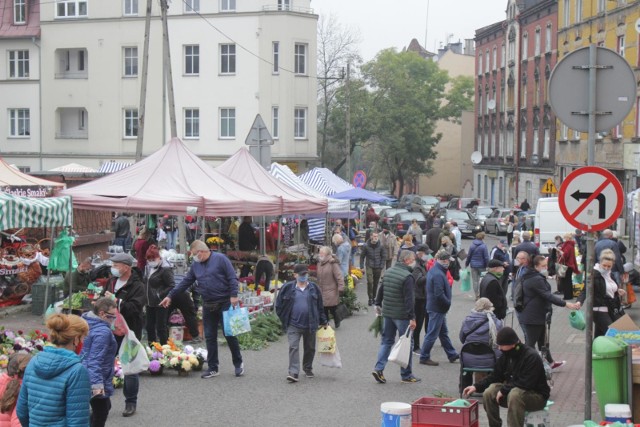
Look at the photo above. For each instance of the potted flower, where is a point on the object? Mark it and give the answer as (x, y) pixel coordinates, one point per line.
(215, 242)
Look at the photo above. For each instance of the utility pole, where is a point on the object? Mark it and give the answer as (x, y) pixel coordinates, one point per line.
(348, 123)
(167, 67)
(143, 88)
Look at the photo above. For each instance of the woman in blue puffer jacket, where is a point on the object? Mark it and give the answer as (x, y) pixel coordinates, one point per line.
(55, 388)
(98, 356)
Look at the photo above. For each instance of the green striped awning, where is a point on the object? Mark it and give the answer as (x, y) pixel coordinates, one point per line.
(18, 212)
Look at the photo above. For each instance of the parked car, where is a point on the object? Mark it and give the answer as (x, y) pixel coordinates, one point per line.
(402, 221)
(496, 223)
(461, 203)
(405, 201)
(442, 205)
(467, 223)
(386, 215)
(481, 213)
(424, 204)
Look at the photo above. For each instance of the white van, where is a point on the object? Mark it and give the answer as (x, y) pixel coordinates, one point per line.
(549, 223)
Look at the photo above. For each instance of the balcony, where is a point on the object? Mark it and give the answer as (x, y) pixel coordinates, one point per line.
(71, 64)
(73, 123)
(286, 8)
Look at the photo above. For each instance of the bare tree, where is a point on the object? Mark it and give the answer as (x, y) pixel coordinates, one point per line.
(337, 45)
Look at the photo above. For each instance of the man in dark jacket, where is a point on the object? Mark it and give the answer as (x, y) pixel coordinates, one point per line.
(374, 256)
(395, 303)
(128, 290)
(247, 241)
(438, 304)
(527, 245)
(491, 288)
(420, 280)
(299, 307)
(477, 259)
(518, 382)
(217, 283)
(432, 238)
(122, 231)
(501, 253)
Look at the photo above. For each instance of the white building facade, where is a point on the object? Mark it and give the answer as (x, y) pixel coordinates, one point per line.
(230, 61)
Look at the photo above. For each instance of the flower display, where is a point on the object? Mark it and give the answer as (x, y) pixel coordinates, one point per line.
(155, 366)
(13, 342)
(118, 377)
(215, 240)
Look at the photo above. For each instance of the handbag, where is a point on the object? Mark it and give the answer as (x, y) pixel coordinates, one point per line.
(561, 270)
(236, 321)
(614, 308)
(401, 351)
(342, 312)
(462, 254)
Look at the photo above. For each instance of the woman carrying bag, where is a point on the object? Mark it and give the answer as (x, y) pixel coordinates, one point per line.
(330, 282)
(567, 251)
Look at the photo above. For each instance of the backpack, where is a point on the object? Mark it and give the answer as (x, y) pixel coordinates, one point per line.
(518, 295)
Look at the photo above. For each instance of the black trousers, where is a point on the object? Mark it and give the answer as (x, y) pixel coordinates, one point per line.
(157, 330)
(184, 303)
(100, 407)
(601, 322)
(566, 284)
(422, 318)
(265, 268)
(331, 310)
(536, 335)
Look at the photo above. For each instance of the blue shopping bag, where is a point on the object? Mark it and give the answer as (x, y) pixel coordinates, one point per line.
(236, 321)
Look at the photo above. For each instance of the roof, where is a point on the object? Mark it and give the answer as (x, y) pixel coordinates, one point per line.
(9, 30)
(325, 181)
(74, 168)
(19, 212)
(414, 46)
(12, 177)
(112, 166)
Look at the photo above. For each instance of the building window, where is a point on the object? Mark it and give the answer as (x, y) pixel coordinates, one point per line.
(19, 123)
(523, 143)
(547, 143)
(19, 12)
(528, 190)
(227, 123)
(547, 39)
(276, 57)
(479, 142)
(638, 117)
(487, 61)
(525, 46)
(567, 13)
(227, 59)
(617, 132)
(501, 143)
(130, 61)
(191, 123)
(501, 190)
(492, 143)
(564, 132)
(192, 60)
(620, 46)
(300, 123)
(503, 55)
(524, 95)
(284, 4)
(72, 123)
(71, 64)
(71, 8)
(191, 6)
(485, 143)
(480, 105)
(479, 180)
(536, 141)
(602, 4)
(300, 58)
(495, 58)
(486, 187)
(479, 63)
(576, 135)
(130, 7)
(578, 17)
(228, 5)
(275, 122)
(537, 47)
(18, 64)
(512, 50)
(131, 123)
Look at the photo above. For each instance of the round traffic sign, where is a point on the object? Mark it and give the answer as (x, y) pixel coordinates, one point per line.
(359, 179)
(591, 198)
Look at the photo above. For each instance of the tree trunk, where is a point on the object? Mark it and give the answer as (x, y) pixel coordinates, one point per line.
(325, 124)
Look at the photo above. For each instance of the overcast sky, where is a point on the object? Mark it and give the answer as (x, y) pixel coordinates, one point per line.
(393, 23)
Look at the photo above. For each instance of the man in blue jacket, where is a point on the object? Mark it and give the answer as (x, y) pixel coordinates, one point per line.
(299, 307)
(438, 304)
(477, 259)
(217, 283)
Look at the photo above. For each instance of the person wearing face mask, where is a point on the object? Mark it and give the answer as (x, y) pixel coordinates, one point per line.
(395, 303)
(501, 253)
(158, 281)
(374, 256)
(330, 282)
(423, 255)
(126, 288)
(517, 383)
(491, 288)
(217, 283)
(438, 305)
(390, 243)
(605, 293)
(98, 355)
(299, 307)
(56, 385)
(538, 299)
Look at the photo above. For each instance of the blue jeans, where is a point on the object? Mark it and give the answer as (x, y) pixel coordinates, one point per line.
(437, 329)
(172, 237)
(121, 241)
(212, 320)
(130, 390)
(391, 328)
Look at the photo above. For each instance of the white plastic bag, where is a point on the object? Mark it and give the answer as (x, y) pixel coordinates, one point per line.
(401, 351)
(133, 357)
(331, 360)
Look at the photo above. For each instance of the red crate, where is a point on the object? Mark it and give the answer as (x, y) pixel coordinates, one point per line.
(430, 412)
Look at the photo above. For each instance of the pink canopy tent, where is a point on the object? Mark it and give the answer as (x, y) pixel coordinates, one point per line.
(169, 181)
(243, 167)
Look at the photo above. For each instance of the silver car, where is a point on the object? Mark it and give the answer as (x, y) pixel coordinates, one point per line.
(496, 223)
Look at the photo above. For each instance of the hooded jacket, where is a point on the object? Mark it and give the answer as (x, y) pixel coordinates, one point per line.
(55, 390)
(477, 255)
(330, 281)
(99, 353)
(475, 328)
(537, 298)
(158, 283)
(10, 419)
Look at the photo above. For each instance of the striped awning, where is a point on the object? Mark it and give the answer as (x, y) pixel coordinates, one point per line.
(19, 212)
(112, 166)
(325, 181)
(74, 168)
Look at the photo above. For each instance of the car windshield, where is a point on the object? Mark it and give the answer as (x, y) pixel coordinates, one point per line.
(408, 216)
(484, 211)
(430, 200)
(458, 215)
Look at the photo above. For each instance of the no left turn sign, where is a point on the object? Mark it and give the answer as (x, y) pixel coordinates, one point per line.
(591, 198)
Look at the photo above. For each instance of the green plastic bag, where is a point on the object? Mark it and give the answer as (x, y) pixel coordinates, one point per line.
(458, 403)
(59, 259)
(465, 280)
(576, 318)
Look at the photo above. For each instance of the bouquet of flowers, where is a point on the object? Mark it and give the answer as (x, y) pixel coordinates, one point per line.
(215, 241)
(12, 342)
(158, 357)
(118, 377)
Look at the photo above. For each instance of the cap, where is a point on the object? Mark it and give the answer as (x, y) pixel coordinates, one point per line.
(578, 232)
(123, 258)
(301, 268)
(507, 336)
(423, 248)
(442, 255)
(436, 223)
(503, 242)
(495, 263)
(483, 304)
(628, 267)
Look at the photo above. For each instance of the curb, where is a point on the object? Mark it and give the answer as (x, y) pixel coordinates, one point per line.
(15, 309)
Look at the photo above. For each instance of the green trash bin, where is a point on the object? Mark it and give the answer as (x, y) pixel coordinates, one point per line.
(610, 371)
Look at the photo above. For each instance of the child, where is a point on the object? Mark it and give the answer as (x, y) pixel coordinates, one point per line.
(10, 383)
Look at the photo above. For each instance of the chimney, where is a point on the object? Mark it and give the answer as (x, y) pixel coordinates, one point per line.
(469, 47)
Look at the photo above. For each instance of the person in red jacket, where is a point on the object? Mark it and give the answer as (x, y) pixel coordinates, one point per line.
(10, 383)
(567, 256)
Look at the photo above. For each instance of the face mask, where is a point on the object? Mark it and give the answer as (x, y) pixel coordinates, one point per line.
(425, 258)
(412, 265)
(605, 272)
(445, 264)
(303, 278)
(78, 348)
(374, 241)
(545, 272)
(321, 258)
(115, 272)
(152, 264)
(498, 274)
(516, 262)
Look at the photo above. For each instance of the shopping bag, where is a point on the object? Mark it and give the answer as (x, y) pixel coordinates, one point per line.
(133, 357)
(236, 321)
(326, 340)
(462, 254)
(331, 360)
(561, 270)
(465, 280)
(61, 253)
(576, 319)
(120, 327)
(401, 351)
(631, 295)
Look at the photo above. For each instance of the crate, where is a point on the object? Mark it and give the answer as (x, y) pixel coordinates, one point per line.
(38, 291)
(430, 412)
